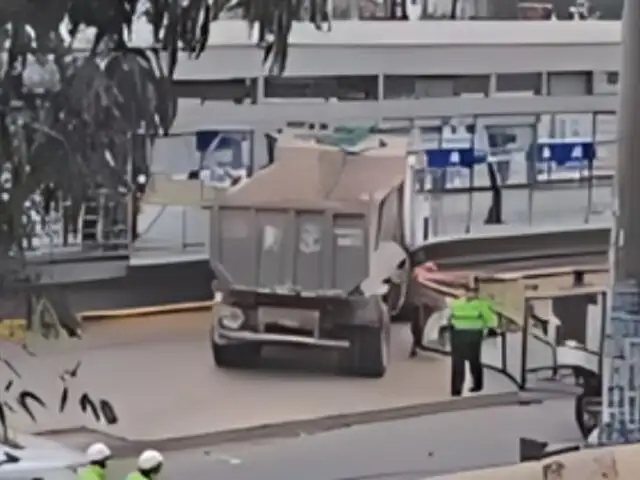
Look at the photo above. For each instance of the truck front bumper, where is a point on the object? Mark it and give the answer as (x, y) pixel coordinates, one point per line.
(224, 335)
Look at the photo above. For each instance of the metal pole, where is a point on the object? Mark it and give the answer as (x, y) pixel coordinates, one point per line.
(438, 184)
(532, 171)
(594, 125)
(472, 182)
(627, 263)
(412, 191)
(132, 222)
(183, 230)
(617, 425)
(472, 185)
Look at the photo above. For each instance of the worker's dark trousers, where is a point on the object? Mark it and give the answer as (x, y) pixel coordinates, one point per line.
(466, 346)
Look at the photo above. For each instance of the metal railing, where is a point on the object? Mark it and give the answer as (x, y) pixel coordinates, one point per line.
(562, 203)
(527, 346)
(588, 242)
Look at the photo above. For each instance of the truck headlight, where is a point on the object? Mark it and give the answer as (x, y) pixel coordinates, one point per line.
(230, 317)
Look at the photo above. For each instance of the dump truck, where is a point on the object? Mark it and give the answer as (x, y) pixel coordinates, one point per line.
(309, 253)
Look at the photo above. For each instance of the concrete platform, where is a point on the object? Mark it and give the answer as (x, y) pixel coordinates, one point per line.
(159, 374)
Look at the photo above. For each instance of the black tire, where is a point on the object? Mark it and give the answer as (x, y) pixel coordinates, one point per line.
(235, 355)
(405, 314)
(585, 416)
(368, 353)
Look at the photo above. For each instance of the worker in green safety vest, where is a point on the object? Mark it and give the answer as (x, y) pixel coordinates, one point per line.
(149, 465)
(98, 455)
(471, 319)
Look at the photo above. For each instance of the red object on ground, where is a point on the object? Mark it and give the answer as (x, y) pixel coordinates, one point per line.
(429, 272)
(425, 270)
(429, 267)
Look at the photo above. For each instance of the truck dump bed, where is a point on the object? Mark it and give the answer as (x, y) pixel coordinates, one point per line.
(311, 221)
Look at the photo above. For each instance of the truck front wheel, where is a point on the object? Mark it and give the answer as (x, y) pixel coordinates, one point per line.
(368, 352)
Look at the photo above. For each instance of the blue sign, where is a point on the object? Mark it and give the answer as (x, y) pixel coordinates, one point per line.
(453, 157)
(566, 152)
(213, 140)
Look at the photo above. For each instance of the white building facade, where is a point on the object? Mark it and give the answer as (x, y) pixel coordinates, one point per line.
(398, 73)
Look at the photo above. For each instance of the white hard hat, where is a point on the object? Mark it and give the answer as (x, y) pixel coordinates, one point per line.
(149, 459)
(97, 452)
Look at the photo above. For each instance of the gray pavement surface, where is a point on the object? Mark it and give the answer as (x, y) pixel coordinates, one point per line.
(159, 374)
(398, 450)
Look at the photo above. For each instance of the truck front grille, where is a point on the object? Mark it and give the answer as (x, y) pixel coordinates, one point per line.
(289, 321)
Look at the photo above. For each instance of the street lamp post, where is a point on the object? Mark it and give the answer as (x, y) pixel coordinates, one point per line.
(622, 344)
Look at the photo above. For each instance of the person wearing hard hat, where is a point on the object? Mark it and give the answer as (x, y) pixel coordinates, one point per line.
(149, 466)
(471, 317)
(98, 455)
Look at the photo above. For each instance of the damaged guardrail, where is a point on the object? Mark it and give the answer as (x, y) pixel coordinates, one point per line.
(477, 250)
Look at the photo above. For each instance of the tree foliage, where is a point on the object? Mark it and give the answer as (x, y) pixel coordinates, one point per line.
(80, 77)
(80, 80)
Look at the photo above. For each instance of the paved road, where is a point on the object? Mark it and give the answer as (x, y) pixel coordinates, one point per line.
(398, 450)
(160, 375)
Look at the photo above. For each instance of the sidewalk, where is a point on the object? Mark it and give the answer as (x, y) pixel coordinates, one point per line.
(164, 384)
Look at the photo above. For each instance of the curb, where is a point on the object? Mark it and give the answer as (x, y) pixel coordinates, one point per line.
(123, 447)
(146, 311)
(13, 328)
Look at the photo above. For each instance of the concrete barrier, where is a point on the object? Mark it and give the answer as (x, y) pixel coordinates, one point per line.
(612, 463)
(178, 287)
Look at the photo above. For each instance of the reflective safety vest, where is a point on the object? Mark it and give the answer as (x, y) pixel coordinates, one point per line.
(472, 314)
(92, 472)
(136, 476)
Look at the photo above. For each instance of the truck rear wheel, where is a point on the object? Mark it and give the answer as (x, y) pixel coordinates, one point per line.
(587, 411)
(368, 353)
(235, 355)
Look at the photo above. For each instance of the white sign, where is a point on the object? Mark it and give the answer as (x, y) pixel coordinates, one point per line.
(454, 158)
(577, 153)
(271, 237)
(310, 238)
(349, 237)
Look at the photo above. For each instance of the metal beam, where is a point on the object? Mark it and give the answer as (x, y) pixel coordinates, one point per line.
(213, 115)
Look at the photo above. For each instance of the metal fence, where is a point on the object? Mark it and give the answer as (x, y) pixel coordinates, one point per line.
(556, 171)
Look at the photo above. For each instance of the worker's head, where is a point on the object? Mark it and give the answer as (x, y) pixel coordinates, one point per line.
(98, 454)
(150, 463)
